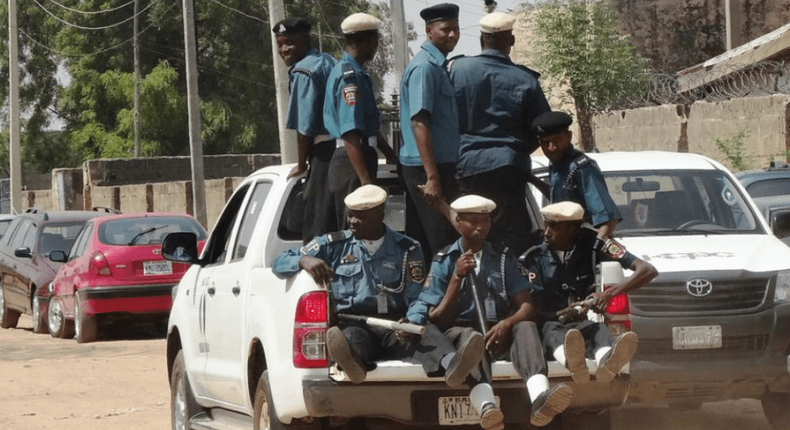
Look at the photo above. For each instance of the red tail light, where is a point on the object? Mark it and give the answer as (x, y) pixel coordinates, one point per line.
(310, 324)
(618, 314)
(99, 266)
(618, 305)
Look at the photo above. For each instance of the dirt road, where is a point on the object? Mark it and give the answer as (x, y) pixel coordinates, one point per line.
(120, 383)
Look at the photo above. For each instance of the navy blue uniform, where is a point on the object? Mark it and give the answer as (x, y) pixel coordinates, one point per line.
(307, 84)
(578, 179)
(497, 101)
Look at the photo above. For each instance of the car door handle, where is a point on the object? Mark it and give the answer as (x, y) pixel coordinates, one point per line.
(211, 291)
(236, 290)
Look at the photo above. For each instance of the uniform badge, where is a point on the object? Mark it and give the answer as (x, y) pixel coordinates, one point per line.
(350, 94)
(614, 250)
(349, 259)
(417, 271)
(532, 276)
(312, 246)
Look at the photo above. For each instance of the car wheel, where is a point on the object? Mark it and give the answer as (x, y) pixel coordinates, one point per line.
(85, 328)
(59, 326)
(39, 318)
(264, 413)
(8, 317)
(775, 408)
(183, 405)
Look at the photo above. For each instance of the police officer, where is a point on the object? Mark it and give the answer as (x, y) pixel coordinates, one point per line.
(307, 77)
(429, 120)
(374, 271)
(562, 276)
(498, 100)
(574, 176)
(472, 266)
(350, 113)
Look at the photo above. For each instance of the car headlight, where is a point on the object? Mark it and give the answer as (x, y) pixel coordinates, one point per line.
(782, 291)
(49, 287)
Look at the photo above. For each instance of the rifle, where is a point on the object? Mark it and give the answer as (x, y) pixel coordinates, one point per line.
(380, 322)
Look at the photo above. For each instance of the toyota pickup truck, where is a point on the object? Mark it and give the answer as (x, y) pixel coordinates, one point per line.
(715, 324)
(247, 350)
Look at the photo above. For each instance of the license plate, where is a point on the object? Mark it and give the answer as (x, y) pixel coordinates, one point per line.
(696, 337)
(458, 410)
(157, 267)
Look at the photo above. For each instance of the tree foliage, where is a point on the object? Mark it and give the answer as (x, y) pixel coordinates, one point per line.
(577, 44)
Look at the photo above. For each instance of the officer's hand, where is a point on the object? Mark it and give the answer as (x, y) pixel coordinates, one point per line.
(402, 336)
(465, 264)
(498, 338)
(431, 191)
(574, 312)
(597, 301)
(297, 170)
(318, 269)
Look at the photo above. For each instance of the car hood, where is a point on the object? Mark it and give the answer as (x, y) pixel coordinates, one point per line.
(755, 253)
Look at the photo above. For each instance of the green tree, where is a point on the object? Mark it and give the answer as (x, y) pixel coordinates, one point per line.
(577, 44)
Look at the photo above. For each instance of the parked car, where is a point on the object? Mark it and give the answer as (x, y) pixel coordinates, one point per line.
(770, 189)
(115, 272)
(5, 221)
(713, 325)
(25, 269)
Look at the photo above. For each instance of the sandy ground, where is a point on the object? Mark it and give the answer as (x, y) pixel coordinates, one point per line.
(120, 383)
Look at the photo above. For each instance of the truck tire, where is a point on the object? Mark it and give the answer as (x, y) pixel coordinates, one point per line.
(8, 317)
(586, 420)
(59, 326)
(39, 318)
(183, 405)
(776, 407)
(86, 329)
(265, 416)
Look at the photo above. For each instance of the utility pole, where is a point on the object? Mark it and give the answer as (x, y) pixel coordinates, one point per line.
(399, 42)
(728, 24)
(288, 153)
(13, 111)
(136, 82)
(193, 103)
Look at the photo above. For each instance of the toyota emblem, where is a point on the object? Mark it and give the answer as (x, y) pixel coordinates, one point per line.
(699, 287)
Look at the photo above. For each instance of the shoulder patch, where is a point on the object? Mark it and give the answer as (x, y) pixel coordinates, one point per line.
(417, 270)
(613, 250)
(350, 94)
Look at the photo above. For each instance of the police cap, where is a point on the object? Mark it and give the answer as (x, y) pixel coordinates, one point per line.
(563, 211)
(496, 21)
(551, 122)
(293, 25)
(439, 12)
(360, 23)
(365, 197)
(473, 204)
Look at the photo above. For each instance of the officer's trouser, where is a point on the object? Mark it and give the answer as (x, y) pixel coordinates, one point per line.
(596, 335)
(526, 352)
(316, 195)
(375, 343)
(343, 179)
(424, 220)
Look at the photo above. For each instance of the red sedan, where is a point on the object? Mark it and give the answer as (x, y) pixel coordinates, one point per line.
(115, 272)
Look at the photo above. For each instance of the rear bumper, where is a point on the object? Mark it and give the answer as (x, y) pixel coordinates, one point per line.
(147, 299)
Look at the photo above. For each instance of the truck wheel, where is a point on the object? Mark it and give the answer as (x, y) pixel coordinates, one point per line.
(39, 318)
(8, 317)
(265, 417)
(183, 405)
(85, 327)
(587, 420)
(58, 325)
(776, 409)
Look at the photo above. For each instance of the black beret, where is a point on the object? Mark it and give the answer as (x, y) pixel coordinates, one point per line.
(551, 122)
(292, 25)
(439, 12)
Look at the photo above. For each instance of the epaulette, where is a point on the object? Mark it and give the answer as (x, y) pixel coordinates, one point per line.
(450, 61)
(338, 235)
(582, 159)
(526, 255)
(528, 70)
(307, 72)
(407, 243)
(442, 252)
(348, 71)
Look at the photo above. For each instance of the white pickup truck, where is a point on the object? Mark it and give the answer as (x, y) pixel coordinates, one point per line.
(247, 350)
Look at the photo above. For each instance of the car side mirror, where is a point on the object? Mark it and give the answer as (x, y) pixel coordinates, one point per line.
(780, 222)
(23, 252)
(58, 256)
(180, 247)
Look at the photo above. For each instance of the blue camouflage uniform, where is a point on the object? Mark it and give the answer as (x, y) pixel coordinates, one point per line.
(349, 105)
(556, 283)
(426, 86)
(498, 100)
(577, 178)
(307, 84)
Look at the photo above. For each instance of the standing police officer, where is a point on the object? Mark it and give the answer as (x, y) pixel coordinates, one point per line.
(498, 100)
(307, 77)
(472, 266)
(374, 271)
(351, 114)
(429, 120)
(574, 176)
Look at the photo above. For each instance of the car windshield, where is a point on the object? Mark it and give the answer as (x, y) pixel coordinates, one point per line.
(679, 202)
(58, 237)
(146, 230)
(769, 187)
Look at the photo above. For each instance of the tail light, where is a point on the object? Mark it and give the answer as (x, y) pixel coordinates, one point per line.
(618, 314)
(99, 266)
(310, 324)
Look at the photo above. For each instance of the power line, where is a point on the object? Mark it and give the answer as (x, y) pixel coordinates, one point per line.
(92, 12)
(214, 55)
(90, 28)
(242, 13)
(63, 54)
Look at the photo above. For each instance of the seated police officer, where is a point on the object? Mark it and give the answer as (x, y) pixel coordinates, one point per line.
(374, 271)
(561, 272)
(471, 266)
